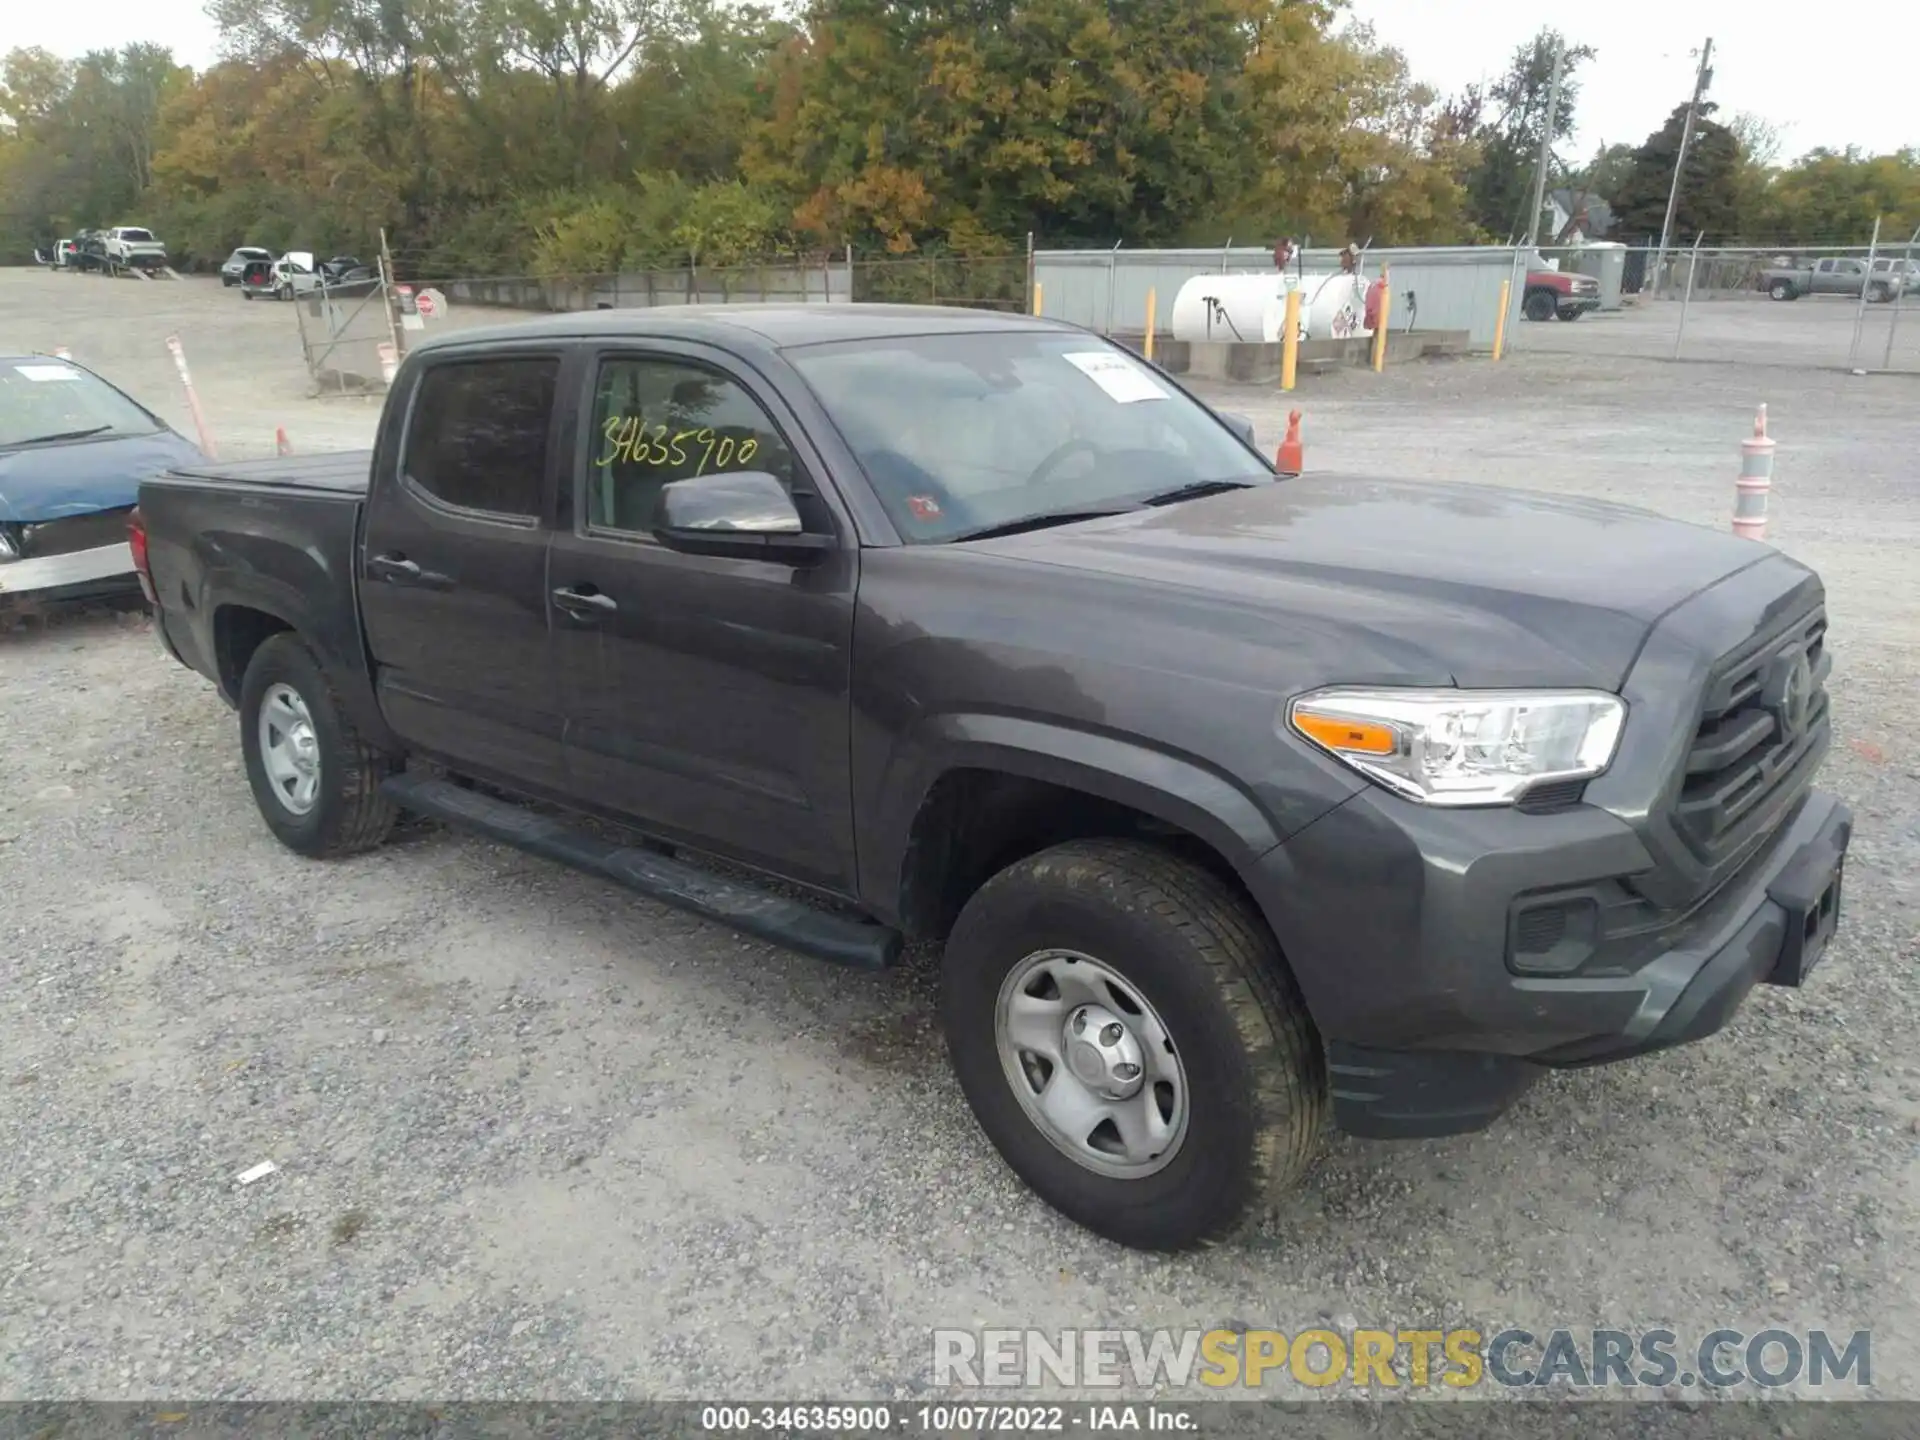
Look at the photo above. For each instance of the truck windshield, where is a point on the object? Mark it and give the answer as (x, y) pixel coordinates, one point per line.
(964, 433)
(43, 400)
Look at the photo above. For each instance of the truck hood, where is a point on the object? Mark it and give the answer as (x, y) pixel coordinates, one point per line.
(80, 477)
(1404, 582)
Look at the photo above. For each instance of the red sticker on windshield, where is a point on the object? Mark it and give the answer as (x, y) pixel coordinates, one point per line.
(924, 507)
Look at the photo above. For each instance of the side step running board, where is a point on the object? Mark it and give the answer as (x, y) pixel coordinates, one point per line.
(791, 923)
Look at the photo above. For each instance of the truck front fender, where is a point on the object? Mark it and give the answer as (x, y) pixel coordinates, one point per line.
(1179, 790)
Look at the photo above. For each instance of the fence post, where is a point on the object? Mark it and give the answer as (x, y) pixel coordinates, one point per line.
(1899, 299)
(1860, 313)
(1033, 293)
(1112, 266)
(1686, 298)
(388, 300)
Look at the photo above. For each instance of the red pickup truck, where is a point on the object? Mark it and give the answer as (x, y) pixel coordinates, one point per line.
(1557, 292)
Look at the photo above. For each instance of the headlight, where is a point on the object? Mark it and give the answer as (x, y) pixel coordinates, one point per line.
(1463, 747)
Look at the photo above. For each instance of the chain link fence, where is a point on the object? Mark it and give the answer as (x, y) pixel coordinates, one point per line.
(1847, 307)
(343, 334)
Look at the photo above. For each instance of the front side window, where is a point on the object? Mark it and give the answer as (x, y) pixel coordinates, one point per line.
(477, 435)
(656, 420)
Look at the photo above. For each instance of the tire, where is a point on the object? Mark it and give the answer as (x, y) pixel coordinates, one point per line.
(347, 812)
(1539, 305)
(246, 294)
(285, 292)
(1571, 315)
(1879, 295)
(1783, 290)
(1192, 955)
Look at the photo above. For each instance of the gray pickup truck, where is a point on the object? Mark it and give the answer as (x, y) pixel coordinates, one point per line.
(1829, 276)
(1240, 803)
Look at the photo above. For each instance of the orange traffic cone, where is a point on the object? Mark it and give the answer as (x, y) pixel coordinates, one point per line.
(1290, 459)
(281, 445)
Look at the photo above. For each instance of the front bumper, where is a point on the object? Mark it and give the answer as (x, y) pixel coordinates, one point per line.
(81, 574)
(1580, 303)
(1434, 1028)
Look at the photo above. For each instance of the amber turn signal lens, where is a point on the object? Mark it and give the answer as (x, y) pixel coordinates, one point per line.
(1352, 737)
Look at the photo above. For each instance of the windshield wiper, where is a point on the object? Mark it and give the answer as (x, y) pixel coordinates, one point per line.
(64, 435)
(1041, 522)
(1198, 489)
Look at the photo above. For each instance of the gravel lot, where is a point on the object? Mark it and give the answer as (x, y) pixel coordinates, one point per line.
(539, 1138)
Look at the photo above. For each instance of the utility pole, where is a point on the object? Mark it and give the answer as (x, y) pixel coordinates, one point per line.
(1700, 83)
(1546, 143)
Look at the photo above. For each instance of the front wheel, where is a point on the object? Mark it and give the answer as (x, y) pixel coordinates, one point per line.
(1539, 305)
(1129, 1038)
(317, 783)
(286, 292)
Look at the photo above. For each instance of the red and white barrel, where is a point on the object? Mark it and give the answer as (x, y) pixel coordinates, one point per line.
(1756, 480)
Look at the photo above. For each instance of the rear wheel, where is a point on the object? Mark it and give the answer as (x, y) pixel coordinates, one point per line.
(1571, 315)
(316, 781)
(1783, 290)
(1129, 1038)
(286, 291)
(1540, 305)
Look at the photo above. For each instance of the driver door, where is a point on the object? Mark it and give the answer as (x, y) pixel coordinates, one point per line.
(706, 697)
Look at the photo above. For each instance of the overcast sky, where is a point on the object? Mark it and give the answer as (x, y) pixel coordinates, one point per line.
(1819, 75)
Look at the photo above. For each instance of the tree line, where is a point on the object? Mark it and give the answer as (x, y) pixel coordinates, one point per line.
(572, 137)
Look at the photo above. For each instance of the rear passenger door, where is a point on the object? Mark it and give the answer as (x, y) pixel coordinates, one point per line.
(453, 563)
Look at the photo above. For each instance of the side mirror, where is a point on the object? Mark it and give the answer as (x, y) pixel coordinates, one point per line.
(1241, 426)
(745, 515)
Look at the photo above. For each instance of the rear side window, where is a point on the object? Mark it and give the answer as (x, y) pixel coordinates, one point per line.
(477, 437)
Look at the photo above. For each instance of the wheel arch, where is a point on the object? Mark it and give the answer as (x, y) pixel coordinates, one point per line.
(993, 789)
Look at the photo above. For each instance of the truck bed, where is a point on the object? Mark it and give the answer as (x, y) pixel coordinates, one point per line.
(341, 472)
(261, 542)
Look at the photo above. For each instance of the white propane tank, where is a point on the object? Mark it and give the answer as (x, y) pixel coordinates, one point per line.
(1252, 308)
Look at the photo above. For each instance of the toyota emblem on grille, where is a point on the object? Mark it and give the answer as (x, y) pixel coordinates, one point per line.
(1789, 692)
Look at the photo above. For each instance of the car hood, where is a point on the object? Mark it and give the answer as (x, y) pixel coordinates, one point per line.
(1411, 581)
(78, 477)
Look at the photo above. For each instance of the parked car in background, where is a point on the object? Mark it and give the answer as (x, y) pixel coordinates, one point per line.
(1559, 292)
(336, 267)
(73, 452)
(235, 265)
(133, 247)
(292, 274)
(90, 250)
(1788, 279)
(1904, 273)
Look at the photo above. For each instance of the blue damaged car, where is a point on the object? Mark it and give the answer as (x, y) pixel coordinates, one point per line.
(73, 451)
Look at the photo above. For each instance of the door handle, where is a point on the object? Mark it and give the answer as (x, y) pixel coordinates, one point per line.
(585, 604)
(393, 567)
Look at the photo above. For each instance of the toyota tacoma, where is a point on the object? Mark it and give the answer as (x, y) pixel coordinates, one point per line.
(1242, 804)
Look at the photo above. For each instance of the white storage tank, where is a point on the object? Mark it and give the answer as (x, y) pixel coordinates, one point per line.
(1252, 308)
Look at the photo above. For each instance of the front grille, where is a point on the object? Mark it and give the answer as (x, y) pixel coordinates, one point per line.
(76, 533)
(1764, 718)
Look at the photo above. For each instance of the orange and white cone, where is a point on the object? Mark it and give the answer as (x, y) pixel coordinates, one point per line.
(1290, 458)
(281, 445)
(1756, 479)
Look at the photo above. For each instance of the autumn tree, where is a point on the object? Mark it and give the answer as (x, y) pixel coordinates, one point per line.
(1709, 200)
(1510, 118)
